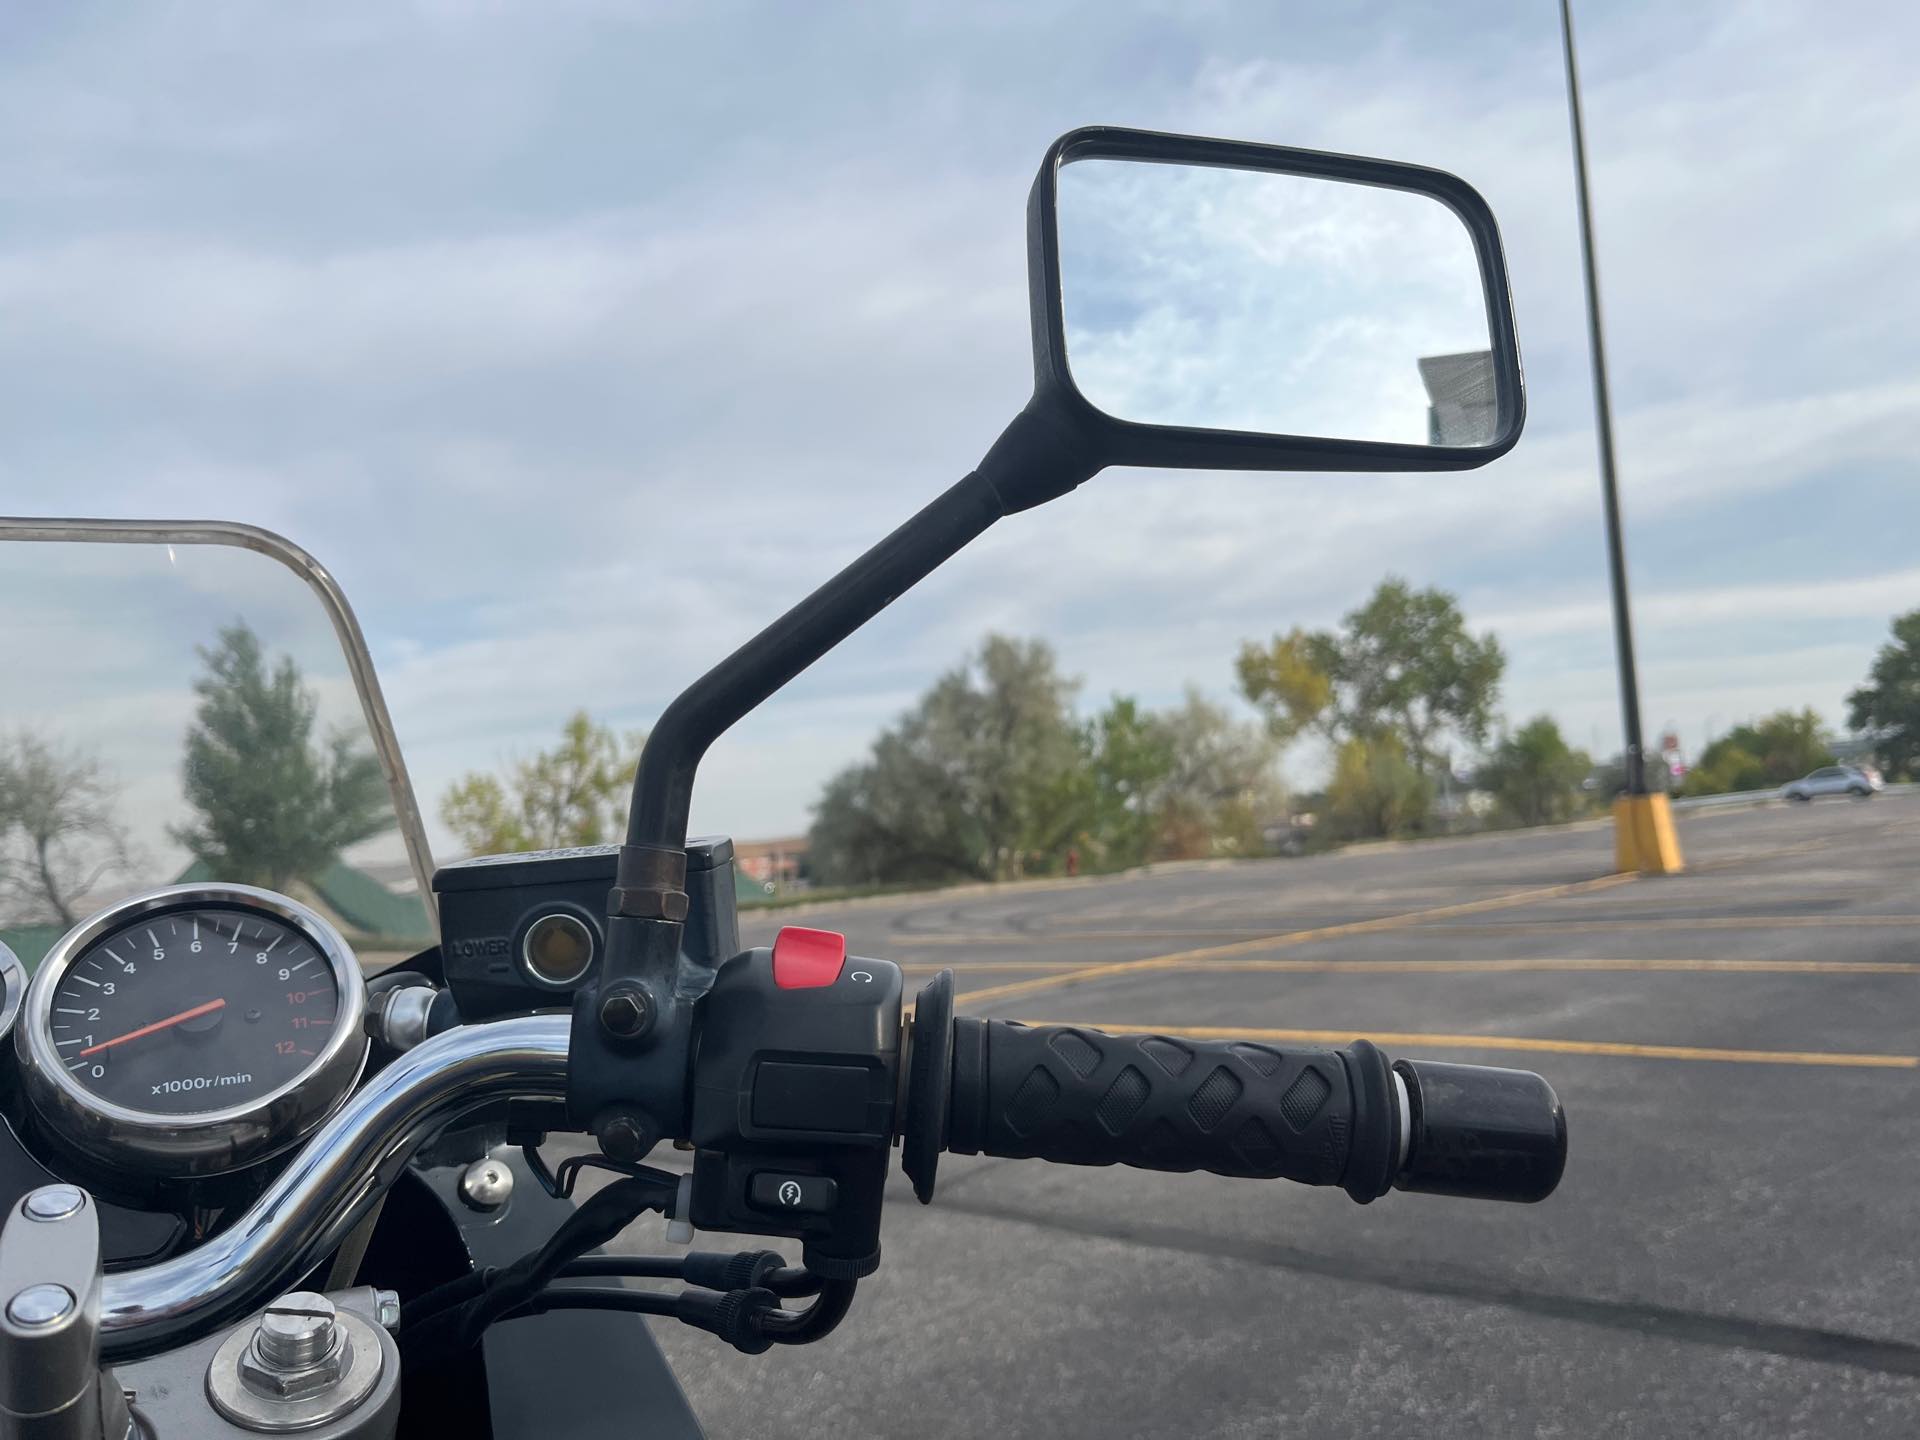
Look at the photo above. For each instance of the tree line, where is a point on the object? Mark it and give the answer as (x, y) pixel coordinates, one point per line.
(992, 775)
(272, 799)
(995, 773)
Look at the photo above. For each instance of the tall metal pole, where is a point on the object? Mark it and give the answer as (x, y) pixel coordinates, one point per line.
(1603, 429)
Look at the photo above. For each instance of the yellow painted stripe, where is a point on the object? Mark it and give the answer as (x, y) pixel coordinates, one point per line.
(1549, 964)
(1404, 1039)
(1572, 924)
(1684, 922)
(1063, 937)
(1296, 937)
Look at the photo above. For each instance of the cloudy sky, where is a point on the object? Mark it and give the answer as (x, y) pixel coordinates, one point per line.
(579, 337)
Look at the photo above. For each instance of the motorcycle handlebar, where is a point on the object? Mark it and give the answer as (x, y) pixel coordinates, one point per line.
(1321, 1117)
(332, 1182)
(1072, 1094)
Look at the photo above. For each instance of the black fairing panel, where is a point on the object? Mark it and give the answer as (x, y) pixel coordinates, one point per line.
(565, 1375)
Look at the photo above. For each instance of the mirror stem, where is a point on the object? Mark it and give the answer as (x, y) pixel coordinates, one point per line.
(706, 709)
(1037, 458)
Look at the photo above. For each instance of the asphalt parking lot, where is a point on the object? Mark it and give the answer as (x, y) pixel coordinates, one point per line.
(1732, 1251)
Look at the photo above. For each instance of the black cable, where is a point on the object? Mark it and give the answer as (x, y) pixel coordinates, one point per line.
(439, 1324)
(710, 1270)
(581, 1297)
(793, 1282)
(750, 1319)
(816, 1322)
(428, 1302)
(537, 1164)
(628, 1267)
(559, 1181)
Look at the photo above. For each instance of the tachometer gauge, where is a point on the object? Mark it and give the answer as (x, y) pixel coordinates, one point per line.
(193, 1029)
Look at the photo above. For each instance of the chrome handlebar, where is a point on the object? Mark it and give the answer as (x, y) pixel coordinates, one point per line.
(333, 1181)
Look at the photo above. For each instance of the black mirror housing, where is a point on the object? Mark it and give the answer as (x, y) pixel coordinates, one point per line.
(1065, 433)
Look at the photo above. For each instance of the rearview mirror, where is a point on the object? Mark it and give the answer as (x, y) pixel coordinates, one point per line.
(1215, 304)
(1232, 307)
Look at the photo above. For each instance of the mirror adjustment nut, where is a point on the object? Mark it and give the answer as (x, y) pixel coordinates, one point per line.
(647, 902)
(649, 883)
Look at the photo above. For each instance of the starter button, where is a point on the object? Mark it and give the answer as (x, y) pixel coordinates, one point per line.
(811, 1194)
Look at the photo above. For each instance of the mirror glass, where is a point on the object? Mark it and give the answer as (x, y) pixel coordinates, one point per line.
(1283, 304)
(178, 714)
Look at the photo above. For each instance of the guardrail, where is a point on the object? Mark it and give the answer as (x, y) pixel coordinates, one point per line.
(1762, 797)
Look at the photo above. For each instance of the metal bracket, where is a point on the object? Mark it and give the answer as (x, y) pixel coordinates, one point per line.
(52, 1386)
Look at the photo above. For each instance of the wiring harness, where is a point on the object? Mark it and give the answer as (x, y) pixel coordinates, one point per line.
(734, 1296)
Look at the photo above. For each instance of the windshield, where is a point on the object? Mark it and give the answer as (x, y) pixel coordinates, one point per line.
(186, 713)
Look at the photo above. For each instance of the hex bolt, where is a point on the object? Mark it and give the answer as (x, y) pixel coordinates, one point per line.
(386, 1308)
(302, 1363)
(38, 1306)
(296, 1331)
(626, 1012)
(53, 1202)
(624, 1136)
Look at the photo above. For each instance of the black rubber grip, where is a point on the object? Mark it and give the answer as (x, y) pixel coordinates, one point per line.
(1156, 1102)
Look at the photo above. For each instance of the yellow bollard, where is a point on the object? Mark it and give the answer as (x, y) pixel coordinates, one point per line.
(1643, 836)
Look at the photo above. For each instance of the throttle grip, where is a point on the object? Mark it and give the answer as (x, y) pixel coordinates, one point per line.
(1345, 1117)
(1083, 1097)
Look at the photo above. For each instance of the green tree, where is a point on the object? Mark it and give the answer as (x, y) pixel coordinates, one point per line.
(1376, 791)
(60, 835)
(1220, 786)
(1782, 747)
(1535, 775)
(1129, 756)
(982, 779)
(1403, 664)
(1889, 703)
(275, 804)
(1291, 680)
(573, 794)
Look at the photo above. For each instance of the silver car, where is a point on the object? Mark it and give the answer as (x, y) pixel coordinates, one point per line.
(1833, 780)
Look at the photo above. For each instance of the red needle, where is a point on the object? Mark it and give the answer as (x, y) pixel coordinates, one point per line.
(192, 1014)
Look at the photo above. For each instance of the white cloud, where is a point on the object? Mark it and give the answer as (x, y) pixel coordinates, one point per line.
(578, 341)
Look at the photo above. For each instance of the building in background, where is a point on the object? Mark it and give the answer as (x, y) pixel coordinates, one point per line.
(1460, 397)
(779, 864)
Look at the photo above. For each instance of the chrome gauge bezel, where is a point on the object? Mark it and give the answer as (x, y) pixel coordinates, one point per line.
(13, 988)
(209, 1141)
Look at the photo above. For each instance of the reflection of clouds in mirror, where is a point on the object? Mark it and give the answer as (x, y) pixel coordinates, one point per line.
(1230, 299)
(100, 653)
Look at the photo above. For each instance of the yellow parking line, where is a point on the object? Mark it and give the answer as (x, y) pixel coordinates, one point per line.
(1391, 1039)
(1065, 937)
(1295, 937)
(968, 967)
(1572, 923)
(1683, 922)
(1548, 964)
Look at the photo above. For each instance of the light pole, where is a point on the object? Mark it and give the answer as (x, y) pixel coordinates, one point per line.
(1644, 838)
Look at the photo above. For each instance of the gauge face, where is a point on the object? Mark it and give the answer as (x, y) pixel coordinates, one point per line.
(192, 1030)
(193, 1010)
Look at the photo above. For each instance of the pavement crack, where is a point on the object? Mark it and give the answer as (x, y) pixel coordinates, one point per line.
(1666, 1322)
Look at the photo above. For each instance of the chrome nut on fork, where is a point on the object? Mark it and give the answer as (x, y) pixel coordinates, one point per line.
(304, 1361)
(299, 1348)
